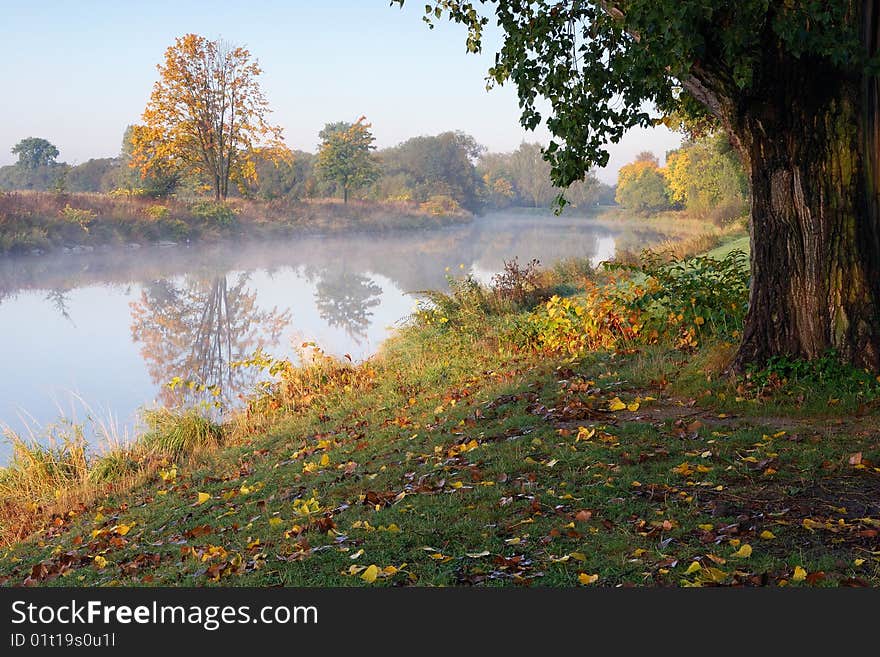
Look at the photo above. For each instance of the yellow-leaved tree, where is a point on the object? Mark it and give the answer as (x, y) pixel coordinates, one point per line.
(206, 115)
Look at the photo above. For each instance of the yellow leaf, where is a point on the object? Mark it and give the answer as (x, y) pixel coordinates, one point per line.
(859, 562)
(744, 552)
(325, 460)
(100, 561)
(122, 530)
(706, 527)
(585, 579)
(274, 522)
(578, 556)
(693, 568)
(767, 535)
(356, 555)
(634, 406)
(203, 497)
(699, 321)
(799, 574)
(616, 405)
(370, 574)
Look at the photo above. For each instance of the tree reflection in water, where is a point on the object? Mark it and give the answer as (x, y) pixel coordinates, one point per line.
(345, 300)
(195, 329)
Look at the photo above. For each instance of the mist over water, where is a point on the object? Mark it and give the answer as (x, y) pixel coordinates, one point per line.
(99, 335)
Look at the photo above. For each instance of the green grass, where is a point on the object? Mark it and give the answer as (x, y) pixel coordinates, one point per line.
(456, 462)
(740, 243)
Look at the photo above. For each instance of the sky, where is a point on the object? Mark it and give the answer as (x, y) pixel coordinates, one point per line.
(77, 73)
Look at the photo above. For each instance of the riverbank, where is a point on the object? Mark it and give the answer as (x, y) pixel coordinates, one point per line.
(555, 429)
(35, 223)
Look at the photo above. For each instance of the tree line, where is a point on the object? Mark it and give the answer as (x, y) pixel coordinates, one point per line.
(450, 169)
(206, 131)
(705, 177)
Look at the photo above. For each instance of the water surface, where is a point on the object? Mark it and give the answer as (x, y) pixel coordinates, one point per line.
(99, 335)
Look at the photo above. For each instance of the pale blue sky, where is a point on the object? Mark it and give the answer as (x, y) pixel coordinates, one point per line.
(77, 73)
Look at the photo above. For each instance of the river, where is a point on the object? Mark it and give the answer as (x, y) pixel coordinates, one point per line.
(95, 337)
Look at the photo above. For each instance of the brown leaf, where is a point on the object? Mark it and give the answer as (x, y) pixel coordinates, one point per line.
(814, 578)
(583, 515)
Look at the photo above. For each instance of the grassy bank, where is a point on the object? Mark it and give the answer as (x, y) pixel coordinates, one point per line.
(38, 222)
(563, 427)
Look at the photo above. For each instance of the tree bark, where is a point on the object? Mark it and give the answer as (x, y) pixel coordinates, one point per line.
(809, 135)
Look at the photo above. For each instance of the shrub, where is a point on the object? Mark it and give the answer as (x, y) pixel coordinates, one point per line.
(440, 205)
(825, 374)
(157, 211)
(678, 301)
(466, 304)
(588, 323)
(216, 212)
(174, 228)
(126, 192)
(522, 286)
(77, 216)
(689, 296)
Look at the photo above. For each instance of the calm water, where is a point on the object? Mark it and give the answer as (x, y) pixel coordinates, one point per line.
(98, 335)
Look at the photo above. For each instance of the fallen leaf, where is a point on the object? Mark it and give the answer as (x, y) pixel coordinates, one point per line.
(203, 497)
(799, 574)
(370, 574)
(744, 552)
(583, 516)
(586, 579)
(616, 405)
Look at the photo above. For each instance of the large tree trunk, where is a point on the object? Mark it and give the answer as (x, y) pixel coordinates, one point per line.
(810, 138)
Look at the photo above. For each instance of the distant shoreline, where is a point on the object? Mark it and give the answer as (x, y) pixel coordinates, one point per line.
(44, 223)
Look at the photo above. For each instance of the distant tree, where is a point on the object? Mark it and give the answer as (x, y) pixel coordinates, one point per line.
(647, 156)
(95, 175)
(605, 194)
(438, 165)
(707, 178)
(345, 156)
(584, 193)
(42, 178)
(35, 152)
(281, 173)
(531, 175)
(160, 179)
(206, 115)
(641, 187)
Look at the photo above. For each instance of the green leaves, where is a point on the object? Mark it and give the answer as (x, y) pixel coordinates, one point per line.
(601, 65)
(345, 155)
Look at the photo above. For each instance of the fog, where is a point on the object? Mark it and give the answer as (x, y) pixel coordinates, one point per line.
(98, 335)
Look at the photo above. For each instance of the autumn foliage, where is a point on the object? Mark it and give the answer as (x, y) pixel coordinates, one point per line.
(206, 116)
